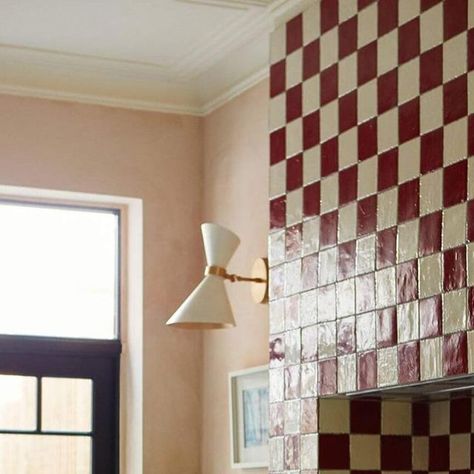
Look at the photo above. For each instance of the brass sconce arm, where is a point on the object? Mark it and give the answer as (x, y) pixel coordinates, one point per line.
(222, 272)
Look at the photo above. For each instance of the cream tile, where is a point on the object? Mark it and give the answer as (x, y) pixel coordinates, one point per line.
(396, 418)
(346, 373)
(431, 197)
(294, 207)
(387, 130)
(454, 311)
(420, 453)
(276, 247)
(347, 9)
(470, 264)
(276, 453)
(309, 380)
(367, 177)
(292, 410)
(454, 57)
(431, 110)
(309, 308)
(409, 160)
(365, 331)
(278, 44)
(367, 101)
(311, 165)
(431, 363)
(327, 266)
(455, 141)
(294, 137)
(385, 287)
(309, 451)
(409, 80)
(347, 74)
(293, 277)
(294, 68)
(367, 25)
(311, 236)
(276, 384)
(365, 452)
(278, 179)
(387, 205)
(470, 351)
(277, 113)
(329, 120)
(327, 303)
(365, 294)
(347, 223)
(431, 27)
(460, 451)
(311, 23)
(387, 52)
(439, 418)
(407, 10)
(470, 92)
(408, 322)
(365, 258)
(345, 298)
(334, 416)
(310, 95)
(327, 340)
(430, 275)
(407, 241)
(348, 148)
(329, 193)
(387, 366)
(329, 46)
(277, 316)
(454, 226)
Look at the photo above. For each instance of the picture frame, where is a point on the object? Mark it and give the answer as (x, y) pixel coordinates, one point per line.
(249, 418)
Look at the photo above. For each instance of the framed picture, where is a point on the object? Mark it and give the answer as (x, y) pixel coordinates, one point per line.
(248, 404)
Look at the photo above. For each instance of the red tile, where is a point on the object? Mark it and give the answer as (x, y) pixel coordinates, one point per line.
(431, 317)
(311, 130)
(470, 221)
(294, 34)
(470, 306)
(328, 85)
(420, 418)
(309, 272)
(348, 185)
(409, 362)
(278, 212)
(327, 373)
(294, 103)
(334, 451)
(293, 239)
(329, 14)
(367, 63)
(454, 263)
(276, 351)
(386, 247)
(366, 416)
(460, 415)
(409, 41)
(455, 354)
(386, 327)
(309, 415)
(431, 69)
(470, 133)
(329, 157)
(455, 99)
(294, 172)
(470, 50)
(455, 183)
(431, 151)
(409, 120)
(277, 146)
(430, 234)
(366, 370)
(427, 4)
(395, 453)
(312, 199)
(407, 281)
(277, 78)
(347, 37)
(276, 419)
(438, 458)
(387, 91)
(366, 215)
(347, 111)
(408, 200)
(345, 336)
(365, 293)
(387, 169)
(328, 229)
(346, 260)
(292, 451)
(367, 139)
(309, 349)
(387, 16)
(455, 17)
(311, 59)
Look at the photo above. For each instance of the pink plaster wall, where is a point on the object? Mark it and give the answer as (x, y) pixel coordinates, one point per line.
(155, 157)
(235, 195)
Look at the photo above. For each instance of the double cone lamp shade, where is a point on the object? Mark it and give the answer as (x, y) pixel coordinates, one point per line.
(208, 306)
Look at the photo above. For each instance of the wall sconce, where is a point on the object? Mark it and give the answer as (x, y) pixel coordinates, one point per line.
(208, 306)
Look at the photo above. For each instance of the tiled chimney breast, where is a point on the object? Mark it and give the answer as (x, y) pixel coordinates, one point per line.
(371, 202)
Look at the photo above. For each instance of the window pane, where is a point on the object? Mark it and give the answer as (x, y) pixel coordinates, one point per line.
(67, 405)
(27, 454)
(58, 271)
(17, 403)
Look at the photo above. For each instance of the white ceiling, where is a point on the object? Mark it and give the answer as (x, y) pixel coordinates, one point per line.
(172, 55)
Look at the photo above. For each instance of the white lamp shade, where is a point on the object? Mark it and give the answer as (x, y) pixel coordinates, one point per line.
(208, 307)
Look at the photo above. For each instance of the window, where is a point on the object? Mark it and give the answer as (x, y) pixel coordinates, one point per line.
(59, 339)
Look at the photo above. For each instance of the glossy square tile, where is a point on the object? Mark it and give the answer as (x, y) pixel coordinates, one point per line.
(407, 281)
(292, 416)
(430, 197)
(366, 215)
(327, 373)
(294, 207)
(327, 303)
(309, 272)
(431, 110)
(311, 130)
(365, 331)
(366, 101)
(347, 185)
(409, 362)
(367, 139)
(292, 347)
(276, 454)
(409, 160)
(309, 415)
(329, 157)
(347, 37)
(455, 354)
(387, 52)
(348, 148)
(430, 275)
(386, 247)
(409, 40)
(385, 287)
(431, 69)
(431, 316)
(309, 380)
(420, 453)
(345, 298)
(277, 179)
(432, 150)
(276, 419)
(387, 327)
(454, 268)
(329, 193)
(347, 222)
(431, 30)
(365, 257)
(347, 111)
(312, 200)
(366, 370)
(277, 316)
(454, 53)
(334, 451)
(367, 177)
(327, 340)
(277, 351)
(365, 452)
(311, 59)
(365, 293)
(293, 277)
(292, 451)
(292, 382)
(409, 120)
(309, 451)
(454, 311)
(439, 418)
(396, 452)
(328, 229)
(311, 165)
(408, 200)
(294, 137)
(407, 241)
(460, 451)
(327, 266)
(431, 358)
(454, 226)
(396, 418)
(387, 169)
(387, 366)
(408, 321)
(276, 384)
(308, 307)
(309, 338)
(292, 312)
(430, 233)
(346, 260)
(455, 141)
(334, 415)
(409, 80)
(310, 236)
(460, 413)
(346, 373)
